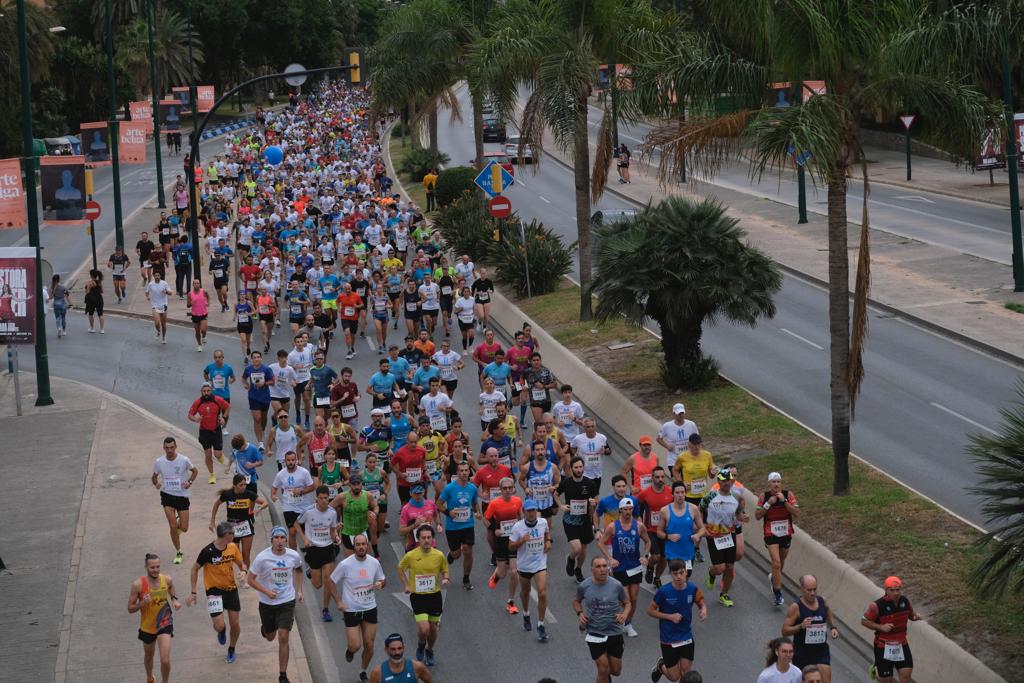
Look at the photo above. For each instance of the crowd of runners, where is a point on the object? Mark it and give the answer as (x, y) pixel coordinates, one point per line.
(324, 255)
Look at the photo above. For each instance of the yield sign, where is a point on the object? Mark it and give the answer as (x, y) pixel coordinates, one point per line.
(907, 120)
(493, 179)
(92, 210)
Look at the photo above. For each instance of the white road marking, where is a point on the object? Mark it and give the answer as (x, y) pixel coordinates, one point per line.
(803, 339)
(946, 219)
(964, 418)
(914, 198)
(546, 200)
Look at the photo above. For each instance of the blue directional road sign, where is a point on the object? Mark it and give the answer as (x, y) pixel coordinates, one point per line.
(494, 179)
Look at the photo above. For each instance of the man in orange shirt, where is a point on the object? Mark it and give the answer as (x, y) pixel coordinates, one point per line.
(349, 305)
(425, 345)
(501, 514)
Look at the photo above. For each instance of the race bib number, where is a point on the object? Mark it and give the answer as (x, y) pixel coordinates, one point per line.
(320, 535)
(594, 638)
(118, 269)
(426, 583)
(593, 462)
(242, 528)
(724, 542)
(635, 570)
(780, 528)
(256, 377)
(447, 372)
(411, 307)
(323, 400)
(290, 498)
(698, 486)
(483, 296)
(438, 422)
(893, 652)
(645, 481)
(490, 414)
(243, 317)
(172, 485)
(505, 528)
(578, 507)
(446, 291)
(539, 395)
(218, 382)
(296, 309)
(430, 466)
(413, 476)
(349, 311)
(655, 517)
(348, 411)
(264, 309)
(363, 593)
(681, 643)
(815, 635)
(280, 576)
(460, 514)
(535, 545)
(318, 455)
(214, 604)
(565, 418)
(218, 272)
(494, 492)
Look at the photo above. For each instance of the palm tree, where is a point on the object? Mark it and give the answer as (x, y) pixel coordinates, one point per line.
(860, 49)
(554, 48)
(682, 265)
(41, 44)
(1000, 461)
(170, 45)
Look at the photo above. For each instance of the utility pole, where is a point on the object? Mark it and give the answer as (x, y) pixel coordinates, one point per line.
(43, 397)
(161, 201)
(1011, 170)
(195, 162)
(113, 127)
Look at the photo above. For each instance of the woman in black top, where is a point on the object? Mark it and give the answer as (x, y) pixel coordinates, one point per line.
(94, 299)
(411, 306)
(241, 503)
(483, 288)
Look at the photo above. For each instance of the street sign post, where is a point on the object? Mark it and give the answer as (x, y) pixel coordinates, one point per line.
(493, 179)
(500, 207)
(907, 120)
(92, 212)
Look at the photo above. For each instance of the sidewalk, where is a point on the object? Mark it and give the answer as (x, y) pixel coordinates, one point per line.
(936, 287)
(77, 528)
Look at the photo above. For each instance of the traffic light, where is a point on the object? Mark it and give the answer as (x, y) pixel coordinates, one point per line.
(353, 58)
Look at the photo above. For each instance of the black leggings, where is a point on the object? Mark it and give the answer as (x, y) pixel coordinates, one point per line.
(182, 278)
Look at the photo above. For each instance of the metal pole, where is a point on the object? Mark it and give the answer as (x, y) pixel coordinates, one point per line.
(113, 127)
(17, 379)
(613, 77)
(43, 397)
(1011, 168)
(161, 201)
(801, 176)
(193, 199)
(908, 153)
(92, 236)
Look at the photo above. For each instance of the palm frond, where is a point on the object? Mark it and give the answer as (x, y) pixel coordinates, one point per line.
(603, 157)
(862, 288)
(531, 132)
(702, 145)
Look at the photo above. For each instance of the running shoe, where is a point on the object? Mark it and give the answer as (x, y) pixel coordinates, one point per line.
(349, 355)
(725, 600)
(570, 565)
(630, 631)
(710, 581)
(542, 634)
(419, 654)
(199, 347)
(527, 626)
(363, 676)
(222, 637)
(230, 658)
(493, 562)
(92, 331)
(699, 557)
(779, 600)
(657, 582)
(466, 583)
(649, 575)
(325, 615)
(349, 655)
(492, 582)
(579, 575)
(429, 658)
(511, 608)
(873, 672)
(213, 478)
(163, 340)
(656, 671)
(178, 557)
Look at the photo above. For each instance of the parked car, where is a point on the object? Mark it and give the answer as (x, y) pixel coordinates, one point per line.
(502, 159)
(512, 150)
(494, 130)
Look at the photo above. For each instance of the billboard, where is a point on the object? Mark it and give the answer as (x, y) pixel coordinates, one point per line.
(784, 95)
(990, 153)
(13, 212)
(181, 93)
(96, 143)
(205, 98)
(17, 289)
(170, 116)
(142, 112)
(62, 181)
(131, 142)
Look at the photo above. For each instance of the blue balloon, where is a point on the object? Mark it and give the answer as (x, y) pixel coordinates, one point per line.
(273, 154)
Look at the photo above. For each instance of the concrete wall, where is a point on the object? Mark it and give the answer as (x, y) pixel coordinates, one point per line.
(937, 659)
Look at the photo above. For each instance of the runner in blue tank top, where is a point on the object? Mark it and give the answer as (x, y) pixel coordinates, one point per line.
(620, 543)
(680, 526)
(396, 668)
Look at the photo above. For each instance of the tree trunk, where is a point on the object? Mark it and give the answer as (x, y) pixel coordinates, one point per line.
(839, 329)
(432, 129)
(405, 127)
(414, 137)
(581, 170)
(478, 131)
(682, 351)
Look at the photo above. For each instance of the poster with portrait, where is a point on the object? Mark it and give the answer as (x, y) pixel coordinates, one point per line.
(170, 116)
(205, 98)
(131, 142)
(13, 212)
(62, 182)
(990, 153)
(182, 94)
(17, 290)
(142, 112)
(96, 143)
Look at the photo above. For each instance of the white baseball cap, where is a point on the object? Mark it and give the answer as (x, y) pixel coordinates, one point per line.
(625, 503)
(774, 476)
(678, 408)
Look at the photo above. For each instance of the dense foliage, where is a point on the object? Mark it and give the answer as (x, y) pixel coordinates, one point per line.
(452, 183)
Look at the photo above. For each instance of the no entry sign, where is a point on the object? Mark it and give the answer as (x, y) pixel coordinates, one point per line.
(501, 207)
(92, 210)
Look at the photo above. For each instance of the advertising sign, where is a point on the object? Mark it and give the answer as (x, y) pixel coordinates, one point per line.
(96, 143)
(142, 112)
(170, 116)
(131, 143)
(990, 152)
(62, 181)
(205, 97)
(182, 95)
(17, 288)
(13, 213)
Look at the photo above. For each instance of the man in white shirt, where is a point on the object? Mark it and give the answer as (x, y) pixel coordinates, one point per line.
(276, 574)
(173, 475)
(675, 434)
(294, 485)
(359, 575)
(530, 538)
(592, 447)
(157, 292)
(466, 269)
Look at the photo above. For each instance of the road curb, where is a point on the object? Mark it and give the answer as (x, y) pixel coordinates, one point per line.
(930, 326)
(939, 660)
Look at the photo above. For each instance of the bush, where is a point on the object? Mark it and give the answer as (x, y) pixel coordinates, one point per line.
(466, 226)
(418, 161)
(549, 258)
(452, 183)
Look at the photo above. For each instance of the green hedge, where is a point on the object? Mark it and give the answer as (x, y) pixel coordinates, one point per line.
(418, 161)
(452, 183)
(550, 259)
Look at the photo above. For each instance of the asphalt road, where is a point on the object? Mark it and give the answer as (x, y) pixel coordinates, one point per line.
(922, 393)
(477, 635)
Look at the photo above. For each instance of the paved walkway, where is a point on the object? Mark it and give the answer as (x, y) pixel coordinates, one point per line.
(939, 287)
(77, 527)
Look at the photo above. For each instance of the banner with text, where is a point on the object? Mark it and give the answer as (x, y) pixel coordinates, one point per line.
(170, 116)
(17, 289)
(990, 152)
(142, 112)
(62, 181)
(13, 212)
(131, 143)
(96, 143)
(205, 97)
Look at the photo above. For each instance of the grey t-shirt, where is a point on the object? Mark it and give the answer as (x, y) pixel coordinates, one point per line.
(315, 333)
(601, 602)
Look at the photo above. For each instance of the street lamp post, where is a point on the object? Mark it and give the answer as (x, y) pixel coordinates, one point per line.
(112, 127)
(43, 397)
(1011, 169)
(151, 20)
(194, 162)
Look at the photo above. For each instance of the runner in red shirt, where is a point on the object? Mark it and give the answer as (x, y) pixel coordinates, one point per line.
(484, 353)
(211, 412)
(408, 464)
(518, 356)
(501, 514)
(250, 274)
(487, 480)
(652, 500)
(349, 304)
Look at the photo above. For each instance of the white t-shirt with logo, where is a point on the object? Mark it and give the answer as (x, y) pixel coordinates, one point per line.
(275, 572)
(356, 577)
(158, 293)
(530, 556)
(173, 474)
(592, 452)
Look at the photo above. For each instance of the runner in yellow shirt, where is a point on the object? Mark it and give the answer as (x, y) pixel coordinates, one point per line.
(694, 467)
(423, 572)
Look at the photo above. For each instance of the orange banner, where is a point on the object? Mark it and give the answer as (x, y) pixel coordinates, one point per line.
(142, 112)
(205, 97)
(13, 213)
(131, 144)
